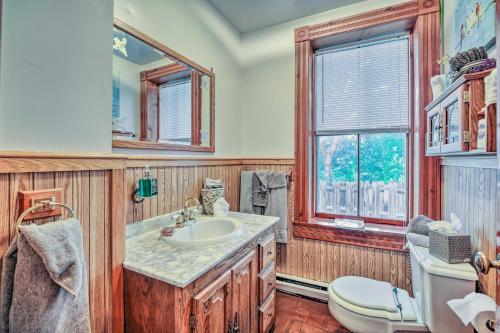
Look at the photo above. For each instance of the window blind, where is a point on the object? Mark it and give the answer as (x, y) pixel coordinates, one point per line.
(363, 87)
(175, 111)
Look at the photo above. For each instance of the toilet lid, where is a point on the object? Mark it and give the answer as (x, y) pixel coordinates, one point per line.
(371, 298)
(366, 293)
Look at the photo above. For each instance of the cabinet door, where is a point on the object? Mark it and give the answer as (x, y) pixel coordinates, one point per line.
(212, 306)
(455, 121)
(434, 130)
(244, 284)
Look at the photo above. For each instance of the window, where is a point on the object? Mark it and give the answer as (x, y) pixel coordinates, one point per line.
(175, 112)
(362, 130)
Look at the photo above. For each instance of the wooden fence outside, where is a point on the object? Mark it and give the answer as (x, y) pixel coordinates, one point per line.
(377, 199)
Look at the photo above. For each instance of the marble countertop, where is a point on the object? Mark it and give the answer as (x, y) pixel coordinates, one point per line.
(147, 254)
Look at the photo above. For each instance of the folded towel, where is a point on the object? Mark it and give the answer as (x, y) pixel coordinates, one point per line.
(419, 225)
(44, 281)
(209, 183)
(418, 239)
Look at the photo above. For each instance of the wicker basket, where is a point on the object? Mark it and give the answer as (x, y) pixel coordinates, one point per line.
(209, 196)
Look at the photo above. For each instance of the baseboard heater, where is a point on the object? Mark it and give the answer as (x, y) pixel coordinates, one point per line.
(302, 287)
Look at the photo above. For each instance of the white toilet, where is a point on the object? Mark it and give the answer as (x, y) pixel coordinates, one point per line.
(369, 306)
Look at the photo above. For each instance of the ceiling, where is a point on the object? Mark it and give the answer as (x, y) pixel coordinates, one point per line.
(250, 15)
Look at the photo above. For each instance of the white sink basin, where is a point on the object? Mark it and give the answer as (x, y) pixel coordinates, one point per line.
(206, 231)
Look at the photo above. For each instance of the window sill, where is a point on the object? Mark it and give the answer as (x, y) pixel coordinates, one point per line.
(386, 237)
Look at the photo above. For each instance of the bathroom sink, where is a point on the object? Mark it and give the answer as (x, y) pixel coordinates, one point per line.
(205, 231)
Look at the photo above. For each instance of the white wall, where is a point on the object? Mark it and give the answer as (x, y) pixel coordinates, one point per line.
(65, 69)
(129, 76)
(268, 93)
(55, 92)
(194, 29)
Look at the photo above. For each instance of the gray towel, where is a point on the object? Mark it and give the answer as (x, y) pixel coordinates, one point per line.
(419, 225)
(246, 192)
(275, 203)
(44, 281)
(260, 193)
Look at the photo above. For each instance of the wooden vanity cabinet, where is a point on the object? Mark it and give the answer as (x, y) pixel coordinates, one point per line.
(229, 293)
(212, 310)
(267, 283)
(245, 289)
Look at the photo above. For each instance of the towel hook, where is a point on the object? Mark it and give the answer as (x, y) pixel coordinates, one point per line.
(42, 204)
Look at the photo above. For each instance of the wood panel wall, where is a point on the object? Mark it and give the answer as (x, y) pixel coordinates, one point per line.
(176, 184)
(89, 193)
(306, 258)
(470, 193)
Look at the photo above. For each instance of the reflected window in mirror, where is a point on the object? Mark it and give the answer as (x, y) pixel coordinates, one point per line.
(161, 100)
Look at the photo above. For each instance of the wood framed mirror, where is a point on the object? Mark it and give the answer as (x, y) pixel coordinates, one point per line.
(161, 99)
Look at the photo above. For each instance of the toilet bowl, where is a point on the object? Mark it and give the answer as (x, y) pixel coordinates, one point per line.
(366, 305)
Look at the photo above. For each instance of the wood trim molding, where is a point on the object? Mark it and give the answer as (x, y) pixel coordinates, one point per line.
(269, 161)
(196, 108)
(160, 146)
(20, 162)
(157, 73)
(34, 164)
(377, 17)
(427, 51)
(422, 16)
(393, 241)
(303, 111)
(150, 80)
(157, 45)
(118, 211)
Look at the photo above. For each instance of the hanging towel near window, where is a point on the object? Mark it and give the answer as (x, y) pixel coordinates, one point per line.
(265, 193)
(44, 281)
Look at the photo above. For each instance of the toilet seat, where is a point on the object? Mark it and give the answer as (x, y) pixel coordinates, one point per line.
(371, 298)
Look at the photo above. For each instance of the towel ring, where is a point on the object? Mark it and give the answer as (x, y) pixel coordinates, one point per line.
(40, 205)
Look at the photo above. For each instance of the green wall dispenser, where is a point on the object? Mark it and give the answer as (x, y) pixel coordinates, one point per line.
(147, 187)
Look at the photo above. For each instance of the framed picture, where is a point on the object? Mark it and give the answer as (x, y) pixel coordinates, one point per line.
(467, 24)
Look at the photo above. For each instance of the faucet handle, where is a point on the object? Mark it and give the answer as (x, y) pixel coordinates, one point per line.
(179, 220)
(194, 212)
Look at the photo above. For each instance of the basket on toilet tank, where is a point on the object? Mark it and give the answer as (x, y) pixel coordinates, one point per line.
(453, 248)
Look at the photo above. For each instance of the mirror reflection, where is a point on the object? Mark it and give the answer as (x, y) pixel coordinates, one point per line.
(157, 98)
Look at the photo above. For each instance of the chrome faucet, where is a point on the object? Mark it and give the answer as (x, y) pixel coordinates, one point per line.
(188, 215)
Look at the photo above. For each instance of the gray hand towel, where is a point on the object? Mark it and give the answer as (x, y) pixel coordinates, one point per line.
(246, 192)
(277, 198)
(419, 225)
(44, 281)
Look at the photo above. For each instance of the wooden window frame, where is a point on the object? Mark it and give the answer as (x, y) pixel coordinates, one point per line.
(148, 99)
(421, 18)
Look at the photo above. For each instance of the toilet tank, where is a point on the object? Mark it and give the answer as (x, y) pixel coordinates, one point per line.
(434, 284)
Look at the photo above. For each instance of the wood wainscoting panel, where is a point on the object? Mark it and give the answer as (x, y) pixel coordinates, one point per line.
(176, 184)
(302, 257)
(89, 194)
(470, 193)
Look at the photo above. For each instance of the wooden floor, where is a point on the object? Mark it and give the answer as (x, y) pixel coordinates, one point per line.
(299, 315)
